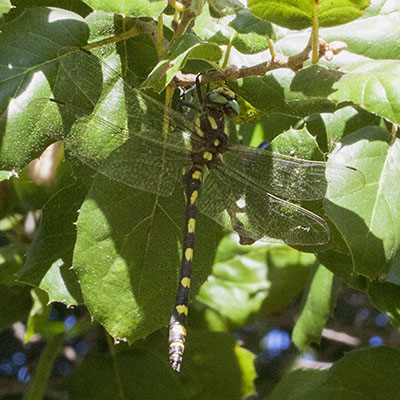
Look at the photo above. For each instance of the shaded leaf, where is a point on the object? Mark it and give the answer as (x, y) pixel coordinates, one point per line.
(15, 304)
(252, 34)
(368, 217)
(297, 382)
(49, 257)
(249, 280)
(185, 48)
(353, 377)
(38, 321)
(225, 7)
(331, 128)
(319, 303)
(272, 93)
(11, 260)
(386, 298)
(127, 256)
(137, 374)
(245, 32)
(216, 30)
(214, 367)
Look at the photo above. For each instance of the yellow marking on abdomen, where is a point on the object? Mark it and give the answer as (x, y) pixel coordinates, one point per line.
(189, 254)
(182, 309)
(198, 130)
(216, 142)
(194, 196)
(196, 174)
(191, 225)
(185, 282)
(180, 329)
(207, 155)
(212, 122)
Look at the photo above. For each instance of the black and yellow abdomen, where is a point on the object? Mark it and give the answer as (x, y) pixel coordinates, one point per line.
(178, 322)
(211, 129)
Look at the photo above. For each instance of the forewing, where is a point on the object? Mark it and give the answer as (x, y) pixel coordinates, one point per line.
(115, 129)
(118, 101)
(138, 160)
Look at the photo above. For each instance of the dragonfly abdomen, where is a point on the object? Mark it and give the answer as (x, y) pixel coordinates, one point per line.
(178, 322)
(210, 128)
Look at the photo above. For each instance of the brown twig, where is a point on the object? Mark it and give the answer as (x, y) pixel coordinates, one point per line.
(277, 61)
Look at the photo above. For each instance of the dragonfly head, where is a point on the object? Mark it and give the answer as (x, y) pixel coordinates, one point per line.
(224, 99)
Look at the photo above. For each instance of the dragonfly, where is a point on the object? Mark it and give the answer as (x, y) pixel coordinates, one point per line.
(252, 191)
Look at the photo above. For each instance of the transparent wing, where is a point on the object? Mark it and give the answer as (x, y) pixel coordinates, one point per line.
(115, 100)
(287, 177)
(136, 141)
(147, 161)
(241, 206)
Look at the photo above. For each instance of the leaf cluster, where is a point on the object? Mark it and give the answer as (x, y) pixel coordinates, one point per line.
(116, 249)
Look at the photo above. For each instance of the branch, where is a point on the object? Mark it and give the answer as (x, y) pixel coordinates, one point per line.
(233, 73)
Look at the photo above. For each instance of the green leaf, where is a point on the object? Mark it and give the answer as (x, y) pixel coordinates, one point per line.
(5, 6)
(315, 81)
(38, 321)
(298, 14)
(373, 85)
(318, 307)
(354, 377)
(330, 128)
(249, 280)
(386, 298)
(297, 143)
(224, 7)
(4, 175)
(32, 71)
(127, 256)
(15, 303)
(296, 383)
(136, 374)
(366, 382)
(38, 182)
(216, 30)
(10, 222)
(185, 48)
(374, 37)
(246, 364)
(77, 7)
(368, 218)
(246, 33)
(273, 125)
(252, 34)
(142, 8)
(11, 260)
(381, 7)
(214, 367)
(49, 257)
(272, 93)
